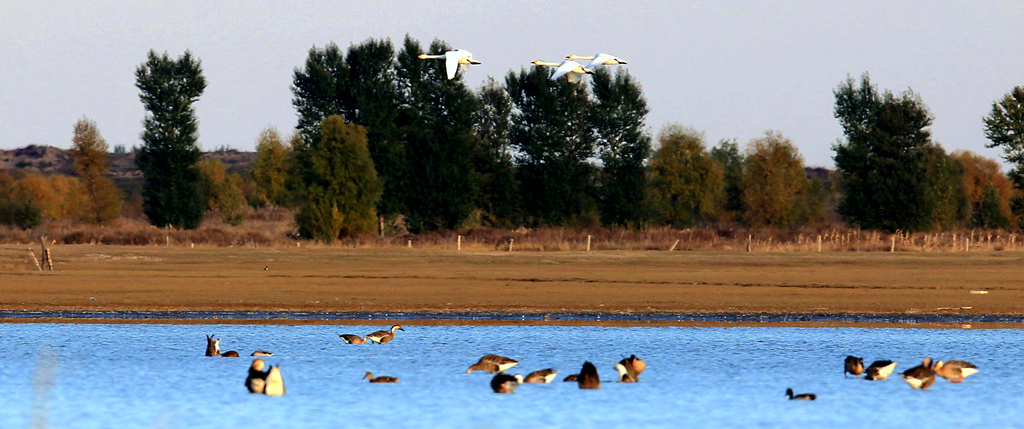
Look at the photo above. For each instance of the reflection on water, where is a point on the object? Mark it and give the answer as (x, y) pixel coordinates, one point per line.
(156, 376)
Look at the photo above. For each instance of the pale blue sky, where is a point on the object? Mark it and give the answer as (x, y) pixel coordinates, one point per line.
(730, 68)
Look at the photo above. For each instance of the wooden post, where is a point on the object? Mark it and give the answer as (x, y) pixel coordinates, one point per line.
(588, 242)
(510, 242)
(967, 243)
(34, 259)
(380, 225)
(819, 243)
(676, 244)
(409, 244)
(458, 246)
(893, 247)
(46, 265)
(749, 237)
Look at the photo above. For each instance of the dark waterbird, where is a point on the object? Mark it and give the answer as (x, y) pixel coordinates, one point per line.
(800, 397)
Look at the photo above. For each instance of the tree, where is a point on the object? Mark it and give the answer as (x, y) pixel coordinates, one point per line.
(553, 143)
(882, 163)
(617, 118)
(774, 182)
(270, 170)
(89, 154)
(728, 154)
(987, 189)
(169, 150)
(497, 186)
(341, 186)
(1004, 127)
(685, 180)
(359, 85)
(437, 129)
(221, 192)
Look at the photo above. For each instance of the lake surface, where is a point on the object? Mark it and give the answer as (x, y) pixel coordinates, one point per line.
(155, 376)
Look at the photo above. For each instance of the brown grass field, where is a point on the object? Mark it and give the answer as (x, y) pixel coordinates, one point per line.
(338, 279)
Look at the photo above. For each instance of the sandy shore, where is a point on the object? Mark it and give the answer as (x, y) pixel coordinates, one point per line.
(151, 278)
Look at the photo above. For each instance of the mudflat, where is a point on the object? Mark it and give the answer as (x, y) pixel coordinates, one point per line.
(334, 279)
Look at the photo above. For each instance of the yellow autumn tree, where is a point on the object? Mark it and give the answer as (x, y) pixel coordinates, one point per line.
(101, 200)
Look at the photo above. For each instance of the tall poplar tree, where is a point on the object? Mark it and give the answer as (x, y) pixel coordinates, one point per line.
(437, 128)
(169, 149)
(498, 186)
(618, 120)
(553, 143)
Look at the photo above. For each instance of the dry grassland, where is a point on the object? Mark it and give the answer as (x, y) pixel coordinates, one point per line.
(334, 279)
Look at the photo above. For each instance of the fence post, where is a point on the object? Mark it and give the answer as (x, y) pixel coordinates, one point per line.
(588, 242)
(510, 242)
(458, 245)
(819, 243)
(749, 237)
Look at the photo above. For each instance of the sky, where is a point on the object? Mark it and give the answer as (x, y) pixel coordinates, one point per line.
(732, 69)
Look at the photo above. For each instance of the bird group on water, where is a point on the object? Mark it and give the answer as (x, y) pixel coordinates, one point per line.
(269, 381)
(461, 59)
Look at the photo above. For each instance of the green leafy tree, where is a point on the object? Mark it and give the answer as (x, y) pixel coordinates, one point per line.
(221, 191)
(618, 120)
(774, 182)
(169, 151)
(497, 183)
(686, 181)
(728, 154)
(270, 170)
(102, 203)
(342, 189)
(883, 161)
(437, 127)
(360, 85)
(552, 140)
(1004, 127)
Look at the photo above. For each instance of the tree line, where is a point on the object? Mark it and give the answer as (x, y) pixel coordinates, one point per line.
(386, 143)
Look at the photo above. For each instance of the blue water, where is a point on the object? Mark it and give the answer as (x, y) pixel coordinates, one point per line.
(155, 376)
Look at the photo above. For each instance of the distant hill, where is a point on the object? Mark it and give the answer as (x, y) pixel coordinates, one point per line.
(48, 160)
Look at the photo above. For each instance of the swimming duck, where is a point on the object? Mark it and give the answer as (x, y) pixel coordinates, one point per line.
(587, 378)
(801, 397)
(853, 365)
(383, 337)
(955, 370)
(256, 381)
(571, 377)
(879, 370)
(381, 379)
(921, 376)
(504, 383)
(261, 353)
(353, 339)
(492, 363)
(541, 376)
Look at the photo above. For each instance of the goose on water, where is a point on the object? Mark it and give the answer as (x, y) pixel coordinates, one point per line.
(800, 397)
(541, 376)
(853, 365)
(588, 378)
(492, 363)
(879, 370)
(955, 370)
(921, 376)
(352, 339)
(384, 337)
(504, 383)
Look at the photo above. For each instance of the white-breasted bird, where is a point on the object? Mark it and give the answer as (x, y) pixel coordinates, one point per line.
(600, 59)
(453, 61)
(571, 69)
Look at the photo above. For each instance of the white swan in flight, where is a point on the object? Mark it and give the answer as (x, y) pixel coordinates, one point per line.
(572, 69)
(453, 60)
(600, 59)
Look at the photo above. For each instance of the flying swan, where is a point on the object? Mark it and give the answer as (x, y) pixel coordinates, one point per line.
(573, 69)
(453, 60)
(600, 59)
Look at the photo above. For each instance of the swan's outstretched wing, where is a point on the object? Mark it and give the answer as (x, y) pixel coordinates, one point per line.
(451, 62)
(566, 67)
